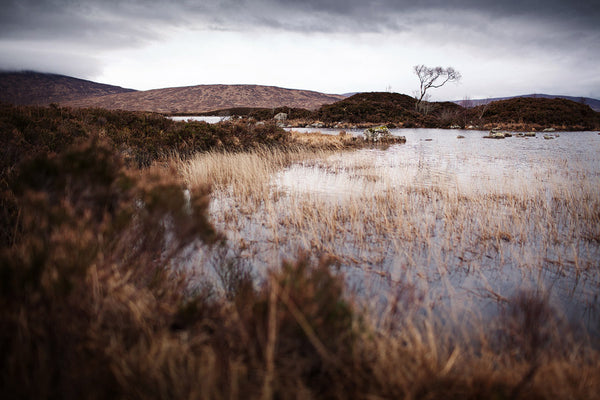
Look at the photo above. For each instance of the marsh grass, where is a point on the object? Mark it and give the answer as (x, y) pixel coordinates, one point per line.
(462, 244)
(463, 289)
(247, 175)
(100, 297)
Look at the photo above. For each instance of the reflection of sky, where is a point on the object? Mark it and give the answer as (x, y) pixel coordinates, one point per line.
(208, 119)
(470, 165)
(470, 270)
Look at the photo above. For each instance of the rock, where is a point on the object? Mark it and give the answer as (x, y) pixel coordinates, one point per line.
(497, 135)
(377, 134)
(529, 134)
(280, 117)
(382, 134)
(548, 137)
(549, 130)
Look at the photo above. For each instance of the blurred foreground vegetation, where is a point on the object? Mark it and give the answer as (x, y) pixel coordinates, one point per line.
(93, 304)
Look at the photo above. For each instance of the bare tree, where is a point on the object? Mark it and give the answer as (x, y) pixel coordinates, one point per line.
(433, 78)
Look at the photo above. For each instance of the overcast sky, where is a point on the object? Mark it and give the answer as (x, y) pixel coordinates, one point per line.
(501, 48)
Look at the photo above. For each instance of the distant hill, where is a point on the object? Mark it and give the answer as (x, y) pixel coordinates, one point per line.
(536, 113)
(516, 113)
(369, 107)
(386, 107)
(35, 88)
(593, 103)
(203, 98)
(262, 102)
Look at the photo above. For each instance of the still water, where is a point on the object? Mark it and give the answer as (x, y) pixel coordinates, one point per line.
(211, 119)
(465, 223)
(474, 163)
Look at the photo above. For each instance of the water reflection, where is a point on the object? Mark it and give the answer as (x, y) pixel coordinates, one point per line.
(211, 119)
(466, 222)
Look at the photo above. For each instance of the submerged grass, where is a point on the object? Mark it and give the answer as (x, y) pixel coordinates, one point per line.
(428, 257)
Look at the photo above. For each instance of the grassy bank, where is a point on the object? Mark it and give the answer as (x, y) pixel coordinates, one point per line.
(101, 295)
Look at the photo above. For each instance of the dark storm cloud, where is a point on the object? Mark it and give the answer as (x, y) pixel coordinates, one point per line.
(99, 20)
(563, 35)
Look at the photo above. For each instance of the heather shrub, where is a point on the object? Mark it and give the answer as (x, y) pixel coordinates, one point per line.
(538, 112)
(88, 265)
(94, 306)
(141, 138)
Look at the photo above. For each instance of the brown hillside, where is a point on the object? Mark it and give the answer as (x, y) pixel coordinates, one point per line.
(537, 112)
(389, 108)
(202, 98)
(34, 88)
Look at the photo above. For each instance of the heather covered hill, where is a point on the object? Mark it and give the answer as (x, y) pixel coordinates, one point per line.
(370, 107)
(302, 107)
(34, 88)
(202, 98)
(516, 113)
(593, 103)
(264, 114)
(384, 107)
(399, 110)
(535, 113)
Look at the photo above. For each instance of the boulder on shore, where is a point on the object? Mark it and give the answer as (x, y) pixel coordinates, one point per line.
(498, 135)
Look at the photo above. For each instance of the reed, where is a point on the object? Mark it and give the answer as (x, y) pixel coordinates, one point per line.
(452, 239)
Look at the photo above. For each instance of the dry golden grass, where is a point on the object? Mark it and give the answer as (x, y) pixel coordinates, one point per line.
(319, 140)
(248, 174)
(451, 239)
(222, 169)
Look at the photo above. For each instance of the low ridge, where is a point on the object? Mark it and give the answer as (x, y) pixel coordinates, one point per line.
(35, 88)
(593, 103)
(203, 98)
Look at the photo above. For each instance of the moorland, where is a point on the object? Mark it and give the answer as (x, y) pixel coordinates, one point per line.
(400, 111)
(142, 257)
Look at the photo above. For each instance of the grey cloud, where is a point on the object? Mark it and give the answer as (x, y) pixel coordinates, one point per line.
(15, 58)
(93, 24)
(67, 17)
(511, 25)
